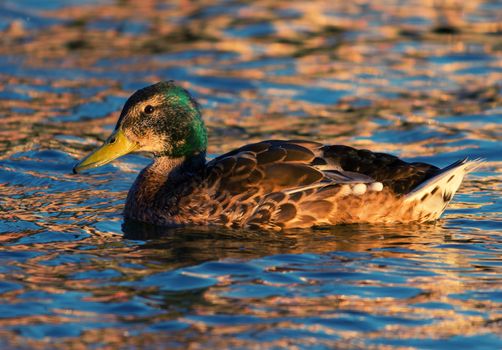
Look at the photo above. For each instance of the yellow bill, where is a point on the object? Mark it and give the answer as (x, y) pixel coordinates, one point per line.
(115, 146)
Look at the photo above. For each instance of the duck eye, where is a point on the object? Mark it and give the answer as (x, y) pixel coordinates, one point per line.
(148, 109)
(112, 140)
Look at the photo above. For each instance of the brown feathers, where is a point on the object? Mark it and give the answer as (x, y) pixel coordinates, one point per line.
(280, 184)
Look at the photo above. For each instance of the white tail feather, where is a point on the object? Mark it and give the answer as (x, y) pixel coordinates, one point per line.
(432, 196)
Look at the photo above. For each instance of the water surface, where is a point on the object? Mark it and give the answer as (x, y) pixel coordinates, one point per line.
(415, 79)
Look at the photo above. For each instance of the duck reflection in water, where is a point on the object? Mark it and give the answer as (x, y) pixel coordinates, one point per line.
(195, 244)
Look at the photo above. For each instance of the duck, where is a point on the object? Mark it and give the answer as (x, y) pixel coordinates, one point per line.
(272, 184)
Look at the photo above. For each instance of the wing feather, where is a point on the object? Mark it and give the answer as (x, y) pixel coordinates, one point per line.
(275, 182)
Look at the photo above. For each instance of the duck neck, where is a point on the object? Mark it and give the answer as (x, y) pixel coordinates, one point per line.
(161, 183)
(173, 170)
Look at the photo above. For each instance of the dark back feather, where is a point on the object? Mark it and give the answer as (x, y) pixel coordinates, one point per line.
(393, 172)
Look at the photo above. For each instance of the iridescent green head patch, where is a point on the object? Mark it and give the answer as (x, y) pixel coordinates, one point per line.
(168, 116)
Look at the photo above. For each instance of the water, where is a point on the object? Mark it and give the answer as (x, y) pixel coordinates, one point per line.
(421, 80)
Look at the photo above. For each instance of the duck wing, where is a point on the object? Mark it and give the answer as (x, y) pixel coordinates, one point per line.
(400, 176)
(273, 182)
(270, 165)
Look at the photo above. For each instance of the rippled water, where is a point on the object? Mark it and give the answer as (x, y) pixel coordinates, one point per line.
(418, 79)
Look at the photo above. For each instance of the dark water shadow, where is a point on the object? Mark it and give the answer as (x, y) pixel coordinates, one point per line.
(192, 245)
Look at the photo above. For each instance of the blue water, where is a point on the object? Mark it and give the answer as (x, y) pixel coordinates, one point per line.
(417, 81)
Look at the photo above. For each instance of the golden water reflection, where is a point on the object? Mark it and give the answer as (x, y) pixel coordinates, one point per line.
(419, 79)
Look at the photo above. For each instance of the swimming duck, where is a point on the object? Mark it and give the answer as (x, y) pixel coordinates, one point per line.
(273, 184)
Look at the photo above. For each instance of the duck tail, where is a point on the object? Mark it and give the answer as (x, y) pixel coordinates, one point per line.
(431, 197)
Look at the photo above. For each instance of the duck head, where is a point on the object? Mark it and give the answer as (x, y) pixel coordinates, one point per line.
(163, 119)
